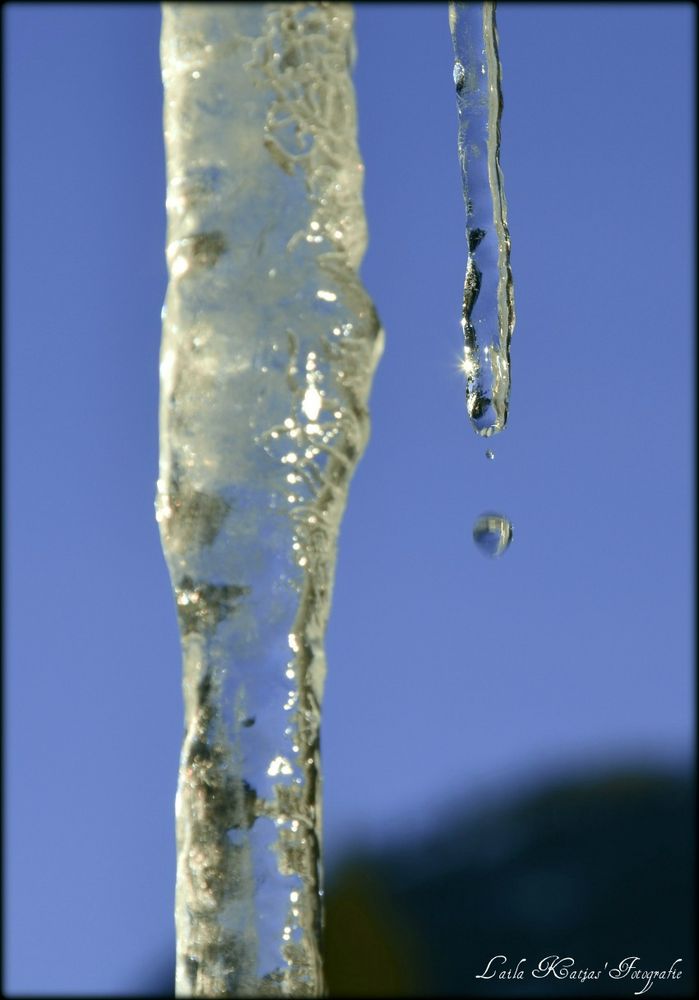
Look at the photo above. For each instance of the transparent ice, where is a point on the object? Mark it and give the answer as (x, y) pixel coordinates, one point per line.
(488, 315)
(269, 346)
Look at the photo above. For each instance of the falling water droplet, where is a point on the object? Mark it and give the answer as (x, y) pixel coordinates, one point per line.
(490, 455)
(492, 534)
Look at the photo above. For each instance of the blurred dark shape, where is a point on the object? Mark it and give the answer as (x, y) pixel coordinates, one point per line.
(369, 949)
(599, 868)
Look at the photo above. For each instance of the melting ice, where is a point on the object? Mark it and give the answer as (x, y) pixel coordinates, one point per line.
(488, 315)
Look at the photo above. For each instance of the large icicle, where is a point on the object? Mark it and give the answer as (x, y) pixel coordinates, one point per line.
(488, 315)
(269, 345)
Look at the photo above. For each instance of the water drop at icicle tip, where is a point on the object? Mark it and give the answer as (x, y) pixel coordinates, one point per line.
(492, 534)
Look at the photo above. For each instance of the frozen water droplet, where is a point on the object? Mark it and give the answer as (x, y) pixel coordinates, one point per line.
(490, 455)
(492, 534)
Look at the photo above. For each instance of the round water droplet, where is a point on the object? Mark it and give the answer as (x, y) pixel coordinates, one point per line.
(459, 75)
(492, 534)
(490, 455)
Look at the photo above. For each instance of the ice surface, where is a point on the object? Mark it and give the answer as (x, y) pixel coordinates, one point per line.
(269, 346)
(488, 315)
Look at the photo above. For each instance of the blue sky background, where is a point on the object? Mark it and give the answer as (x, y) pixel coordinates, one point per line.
(450, 676)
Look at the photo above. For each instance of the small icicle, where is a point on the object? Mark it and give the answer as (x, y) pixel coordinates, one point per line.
(488, 315)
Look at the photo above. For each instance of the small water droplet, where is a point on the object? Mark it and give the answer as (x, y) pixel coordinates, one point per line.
(492, 534)
(490, 455)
